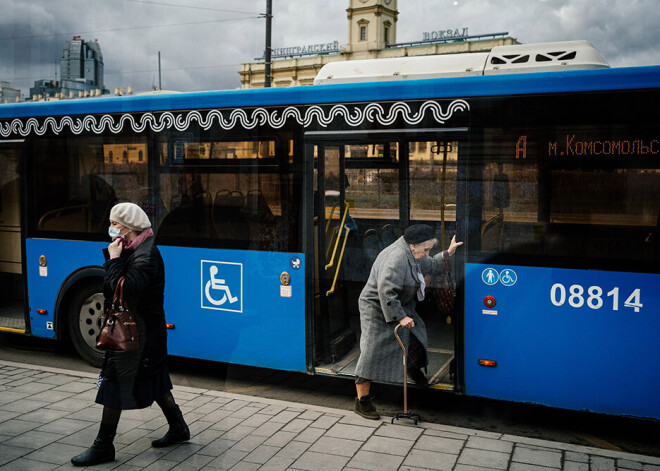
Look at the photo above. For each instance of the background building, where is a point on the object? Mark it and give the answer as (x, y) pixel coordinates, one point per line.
(371, 35)
(81, 66)
(8, 93)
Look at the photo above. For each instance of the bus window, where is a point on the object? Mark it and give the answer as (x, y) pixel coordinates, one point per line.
(227, 193)
(79, 180)
(433, 183)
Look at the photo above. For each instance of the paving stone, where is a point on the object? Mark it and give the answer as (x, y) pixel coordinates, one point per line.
(183, 451)
(284, 417)
(262, 454)
(326, 421)
(277, 463)
(352, 432)
(76, 386)
(56, 453)
(541, 457)
(43, 416)
(31, 387)
(440, 444)
(528, 467)
(10, 453)
(370, 460)
(33, 439)
(599, 463)
(148, 457)
(319, 461)
(7, 415)
(227, 459)
(245, 412)
(162, 465)
(193, 463)
(256, 420)
(23, 464)
(399, 431)
(24, 405)
(627, 464)
(297, 425)
(576, 466)
(575, 456)
(239, 432)
(429, 460)
(217, 447)
(388, 445)
(310, 415)
(293, 449)
(335, 446)
(249, 443)
(63, 426)
(280, 438)
(467, 467)
(245, 466)
(267, 429)
(15, 427)
(310, 434)
(484, 458)
(489, 444)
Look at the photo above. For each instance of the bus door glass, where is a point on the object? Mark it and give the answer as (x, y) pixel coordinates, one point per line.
(432, 176)
(12, 298)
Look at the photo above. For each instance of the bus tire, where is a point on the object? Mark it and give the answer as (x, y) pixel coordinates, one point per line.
(85, 319)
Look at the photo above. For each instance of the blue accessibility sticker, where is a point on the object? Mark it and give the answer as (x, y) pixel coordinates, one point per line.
(490, 276)
(295, 262)
(508, 277)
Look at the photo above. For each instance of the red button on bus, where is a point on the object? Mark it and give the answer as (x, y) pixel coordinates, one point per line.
(489, 301)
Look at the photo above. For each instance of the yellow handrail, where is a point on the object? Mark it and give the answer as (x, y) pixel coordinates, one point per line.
(341, 255)
(334, 252)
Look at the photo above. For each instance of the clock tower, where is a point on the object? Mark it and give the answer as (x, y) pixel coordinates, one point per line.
(371, 25)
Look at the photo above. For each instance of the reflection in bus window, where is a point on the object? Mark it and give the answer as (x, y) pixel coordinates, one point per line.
(80, 180)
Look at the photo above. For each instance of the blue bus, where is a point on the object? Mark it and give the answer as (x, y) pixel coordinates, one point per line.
(270, 205)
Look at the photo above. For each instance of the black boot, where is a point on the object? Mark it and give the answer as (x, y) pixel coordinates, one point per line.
(364, 407)
(178, 432)
(101, 451)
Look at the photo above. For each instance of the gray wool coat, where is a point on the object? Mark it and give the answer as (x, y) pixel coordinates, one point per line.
(389, 295)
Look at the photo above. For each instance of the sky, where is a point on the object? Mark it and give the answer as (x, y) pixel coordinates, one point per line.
(204, 42)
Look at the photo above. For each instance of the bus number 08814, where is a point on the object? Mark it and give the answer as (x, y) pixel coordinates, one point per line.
(594, 297)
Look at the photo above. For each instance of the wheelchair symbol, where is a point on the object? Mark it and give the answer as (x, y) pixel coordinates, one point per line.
(508, 277)
(218, 284)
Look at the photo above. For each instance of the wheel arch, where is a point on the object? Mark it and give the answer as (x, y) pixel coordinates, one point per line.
(74, 280)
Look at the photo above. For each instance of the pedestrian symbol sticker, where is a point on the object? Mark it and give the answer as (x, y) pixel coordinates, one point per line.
(508, 277)
(222, 286)
(490, 276)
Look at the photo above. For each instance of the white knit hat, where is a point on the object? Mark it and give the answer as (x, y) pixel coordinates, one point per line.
(130, 215)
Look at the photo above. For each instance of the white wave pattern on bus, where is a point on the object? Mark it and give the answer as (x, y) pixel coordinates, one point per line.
(372, 112)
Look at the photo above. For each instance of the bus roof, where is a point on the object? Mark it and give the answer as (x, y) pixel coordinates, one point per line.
(452, 87)
(515, 59)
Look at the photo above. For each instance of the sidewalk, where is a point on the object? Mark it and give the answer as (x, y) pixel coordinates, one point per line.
(48, 415)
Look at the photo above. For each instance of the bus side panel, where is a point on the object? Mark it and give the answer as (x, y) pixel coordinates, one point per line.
(235, 306)
(574, 339)
(62, 257)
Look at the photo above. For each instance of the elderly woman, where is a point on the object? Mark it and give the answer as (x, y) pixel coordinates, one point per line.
(134, 380)
(395, 282)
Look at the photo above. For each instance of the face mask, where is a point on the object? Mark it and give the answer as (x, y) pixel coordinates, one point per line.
(114, 232)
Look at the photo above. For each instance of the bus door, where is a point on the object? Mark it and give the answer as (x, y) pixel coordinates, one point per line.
(367, 190)
(12, 294)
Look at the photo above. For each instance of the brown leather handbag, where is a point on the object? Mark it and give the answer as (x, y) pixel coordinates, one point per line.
(119, 332)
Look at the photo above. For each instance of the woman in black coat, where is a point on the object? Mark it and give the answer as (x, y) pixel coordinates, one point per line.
(134, 380)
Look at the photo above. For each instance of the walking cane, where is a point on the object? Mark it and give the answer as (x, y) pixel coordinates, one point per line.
(414, 417)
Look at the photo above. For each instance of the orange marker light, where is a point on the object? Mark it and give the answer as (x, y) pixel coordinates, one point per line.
(169, 326)
(490, 363)
(42, 311)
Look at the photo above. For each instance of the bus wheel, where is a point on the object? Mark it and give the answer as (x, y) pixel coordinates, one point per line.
(85, 321)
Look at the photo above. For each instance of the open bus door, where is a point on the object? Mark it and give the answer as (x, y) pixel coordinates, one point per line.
(367, 189)
(12, 284)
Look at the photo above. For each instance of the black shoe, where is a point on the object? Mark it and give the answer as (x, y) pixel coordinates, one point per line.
(100, 452)
(365, 408)
(418, 377)
(178, 432)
